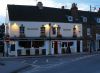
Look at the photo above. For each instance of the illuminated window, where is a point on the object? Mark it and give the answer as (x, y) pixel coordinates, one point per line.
(74, 31)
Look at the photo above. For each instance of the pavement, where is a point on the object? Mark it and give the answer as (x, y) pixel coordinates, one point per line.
(1, 55)
(30, 64)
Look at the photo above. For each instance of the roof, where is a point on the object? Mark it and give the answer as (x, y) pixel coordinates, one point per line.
(47, 14)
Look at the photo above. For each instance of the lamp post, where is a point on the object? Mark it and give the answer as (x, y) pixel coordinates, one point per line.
(48, 31)
(49, 38)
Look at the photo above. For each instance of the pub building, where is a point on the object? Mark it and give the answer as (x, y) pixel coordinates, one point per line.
(39, 30)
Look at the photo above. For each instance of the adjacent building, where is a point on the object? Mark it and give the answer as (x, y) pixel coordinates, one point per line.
(39, 30)
(2, 34)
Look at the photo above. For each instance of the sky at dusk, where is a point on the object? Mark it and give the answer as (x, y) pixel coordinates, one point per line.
(82, 5)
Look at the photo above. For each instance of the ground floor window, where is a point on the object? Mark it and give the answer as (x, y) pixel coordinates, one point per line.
(29, 44)
(66, 47)
(12, 47)
(37, 44)
(99, 43)
(70, 43)
(25, 44)
(66, 44)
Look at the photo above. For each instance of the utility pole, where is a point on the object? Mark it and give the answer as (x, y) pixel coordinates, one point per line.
(90, 8)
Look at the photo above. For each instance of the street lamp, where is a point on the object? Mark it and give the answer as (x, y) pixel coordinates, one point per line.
(48, 31)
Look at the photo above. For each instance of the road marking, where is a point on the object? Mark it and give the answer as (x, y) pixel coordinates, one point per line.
(24, 61)
(47, 60)
(35, 61)
(42, 68)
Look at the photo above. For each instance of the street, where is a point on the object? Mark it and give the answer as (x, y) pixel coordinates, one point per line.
(86, 65)
(74, 63)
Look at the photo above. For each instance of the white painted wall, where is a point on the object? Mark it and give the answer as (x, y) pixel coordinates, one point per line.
(74, 46)
(81, 47)
(66, 28)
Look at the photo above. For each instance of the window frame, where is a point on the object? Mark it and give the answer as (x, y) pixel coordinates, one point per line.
(84, 19)
(70, 18)
(98, 20)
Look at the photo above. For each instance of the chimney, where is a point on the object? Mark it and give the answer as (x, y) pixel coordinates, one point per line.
(62, 7)
(40, 5)
(74, 10)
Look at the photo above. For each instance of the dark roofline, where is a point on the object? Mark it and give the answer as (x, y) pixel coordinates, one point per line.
(47, 14)
(47, 7)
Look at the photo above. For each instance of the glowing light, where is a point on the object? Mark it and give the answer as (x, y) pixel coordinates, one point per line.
(47, 27)
(15, 27)
(76, 26)
(55, 25)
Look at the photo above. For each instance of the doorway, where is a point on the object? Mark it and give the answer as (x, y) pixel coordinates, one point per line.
(55, 47)
(78, 46)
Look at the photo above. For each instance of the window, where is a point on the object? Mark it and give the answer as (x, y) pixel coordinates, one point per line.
(64, 44)
(37, 44)
(42, 31)
(53, 30)
(21, 43)
(70, 18)
(98, 20)
(25, 44)
(88, 31)
(74, 31)
(84, 19)
(70, 43)
(22, 31)
(99, 43)
(12, 47)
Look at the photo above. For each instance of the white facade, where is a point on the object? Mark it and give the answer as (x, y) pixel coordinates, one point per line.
(32, 29)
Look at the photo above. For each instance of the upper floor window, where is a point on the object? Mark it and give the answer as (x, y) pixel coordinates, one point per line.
(84, 19)
(74, 31)
(22, 30)
(70, 18)
(88, 31)
(42, 31)
(98, 20)
(53, 30)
